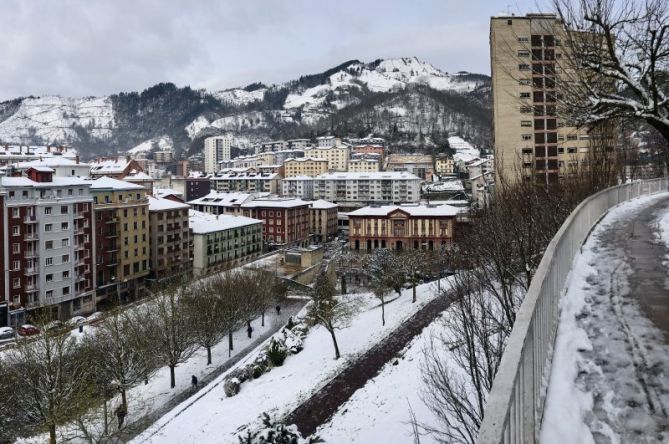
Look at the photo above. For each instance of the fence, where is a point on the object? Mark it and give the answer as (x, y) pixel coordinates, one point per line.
(515, 404)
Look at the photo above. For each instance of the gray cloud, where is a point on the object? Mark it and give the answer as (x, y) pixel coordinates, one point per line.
(83, 47)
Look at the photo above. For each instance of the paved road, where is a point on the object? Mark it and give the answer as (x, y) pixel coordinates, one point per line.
(289, 308)
(318, 409)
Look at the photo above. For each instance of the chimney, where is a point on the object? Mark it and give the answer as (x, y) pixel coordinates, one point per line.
(76, 159)
(48, 148)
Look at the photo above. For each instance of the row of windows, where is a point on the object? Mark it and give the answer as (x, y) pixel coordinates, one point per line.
(44, 193)
(129, 196)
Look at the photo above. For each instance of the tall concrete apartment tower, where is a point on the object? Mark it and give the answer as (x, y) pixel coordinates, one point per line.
(216, 148)
(529, 136)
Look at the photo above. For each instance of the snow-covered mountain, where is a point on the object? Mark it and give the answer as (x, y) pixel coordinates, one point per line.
(405, 99)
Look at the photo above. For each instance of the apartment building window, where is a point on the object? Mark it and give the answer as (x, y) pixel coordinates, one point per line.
(69, 191)
(49, 277)
(524, 95)
(527, 151)
(49, 293)
(66, 274)
(16, 265)
(65, 258)
(48, 261)
(525, 109)
(572, 137)
(47, 210)
(16, 231)
(526, 137)
(66, 291)
(571, 150)
(16, 248)
(15, 213)
(523, 40)
(16, 282)
(523, 53)
(63, 210)
(524, 67)
(48, 228)
(48, 245)
(65, 242)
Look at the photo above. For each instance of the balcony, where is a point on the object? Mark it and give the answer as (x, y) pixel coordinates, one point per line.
(29, 237)
(32, 271)
(29, 220)
(113, 220)
(78, 215)
(30, 254)
(29, 288)
(111, 235)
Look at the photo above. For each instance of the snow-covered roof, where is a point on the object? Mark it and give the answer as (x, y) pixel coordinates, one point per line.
(275, 203)
(215, 198)
(450, 185)
(57, 161)
(298, 178)
(409, 158)
(245, 175)
(105, 182)
(202, 223)
(321, 204)
(139, 176)
(56, 181)
(374, 175)
(42, 169)
(413, 210)
(306, 159)
(162, 192)
(160, 204)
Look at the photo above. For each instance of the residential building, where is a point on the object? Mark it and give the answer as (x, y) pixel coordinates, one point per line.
(298, 144)
(419, 164)
(418, 227)
(363, 165)
(298, 186)
(11, 154)
(479, 167)
(142, 179)
(285, 220)
(365, 188)
(482, 188)
(327, 141)
(305, 166)
(216, 149)
(445, 165)
(62, 166)
(280, 157)
(336, 155)
(170, 242)
(48, 238)
(196, 187)
(245, 181)
(530, 139)
(322, 220)
(122, 240)
(116, 167)
(223, 242)
(370, 149)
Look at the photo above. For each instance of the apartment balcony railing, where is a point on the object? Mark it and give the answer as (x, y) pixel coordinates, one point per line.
(30, 237)
(31, 271)
(29, 220)
(30, 254)
(515, 405)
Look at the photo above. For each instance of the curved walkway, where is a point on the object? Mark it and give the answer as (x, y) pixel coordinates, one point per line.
(610, 376)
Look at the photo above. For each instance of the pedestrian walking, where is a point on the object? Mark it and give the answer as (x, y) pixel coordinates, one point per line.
(278, 310)
(193, 380)
(249, 330)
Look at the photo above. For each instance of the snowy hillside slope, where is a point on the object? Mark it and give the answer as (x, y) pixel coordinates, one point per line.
(159, 143)
(53, 119)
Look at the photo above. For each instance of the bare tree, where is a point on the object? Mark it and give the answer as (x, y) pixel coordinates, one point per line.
(168, 325)
(204, 309)
(116, 354)
(267, 292)
(50, 375)
(328, 310)
(230, 287)
(414, 264)
(381, 289)
(617, 59)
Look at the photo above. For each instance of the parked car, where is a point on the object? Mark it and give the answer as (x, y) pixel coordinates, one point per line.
(76, 321)
(54, 325)
(6, 334)
(28, 330)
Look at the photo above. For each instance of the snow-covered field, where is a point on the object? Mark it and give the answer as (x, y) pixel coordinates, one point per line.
(379, 412)
(214, 418)
(595, 393)
(161, 143)
(464, 150)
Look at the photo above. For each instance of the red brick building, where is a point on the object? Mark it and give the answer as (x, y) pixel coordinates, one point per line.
(402, 227)
(285, 221)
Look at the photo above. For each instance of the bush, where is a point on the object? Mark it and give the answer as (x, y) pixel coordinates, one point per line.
(231, 387)
(273, 432)
(258, 371)
(292, 341)
(277, 353)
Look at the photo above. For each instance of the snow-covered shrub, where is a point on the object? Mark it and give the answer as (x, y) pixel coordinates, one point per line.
(292, 341)
(277, 352)
(258, 371)
(239, 373)
(274, 432)
(231, 386)
(300, 330)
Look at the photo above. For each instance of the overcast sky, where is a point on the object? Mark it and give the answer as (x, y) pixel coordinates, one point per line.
(96, 47)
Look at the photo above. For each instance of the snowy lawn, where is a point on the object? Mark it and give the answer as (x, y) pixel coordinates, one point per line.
(379, 412)
(607, 353)
(213, 418)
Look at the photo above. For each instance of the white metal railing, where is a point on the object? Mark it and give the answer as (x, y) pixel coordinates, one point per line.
(515, 404)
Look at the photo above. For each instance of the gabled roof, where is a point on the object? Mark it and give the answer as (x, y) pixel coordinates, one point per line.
(105, 182)
(412, 210)
(321, 204)
(160, 204)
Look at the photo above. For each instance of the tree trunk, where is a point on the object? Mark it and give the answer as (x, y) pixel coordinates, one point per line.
(383, 313)
(209, 355)
(172, 379)
(52, 433)
(334, 342)
(262, 321)
(106, 415)
(230, 347)
(343, 284)
(413, 287)
(124, 400)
